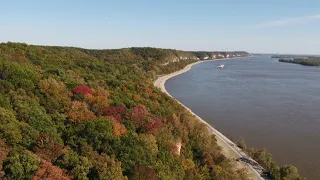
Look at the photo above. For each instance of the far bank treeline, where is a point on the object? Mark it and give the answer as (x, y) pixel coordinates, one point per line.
(310, 61)
(71, 113)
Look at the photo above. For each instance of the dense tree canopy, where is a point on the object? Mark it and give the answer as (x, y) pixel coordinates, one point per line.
(71, 113)
(20, 165)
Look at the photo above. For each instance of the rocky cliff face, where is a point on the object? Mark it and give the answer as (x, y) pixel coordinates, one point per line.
(182, 56)
(203, 55)
(206, 55)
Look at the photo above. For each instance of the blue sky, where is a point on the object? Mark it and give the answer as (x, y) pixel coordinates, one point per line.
(284, 26)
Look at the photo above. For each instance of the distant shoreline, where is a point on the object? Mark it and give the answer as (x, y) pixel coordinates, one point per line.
(303, 62)
(229, 148)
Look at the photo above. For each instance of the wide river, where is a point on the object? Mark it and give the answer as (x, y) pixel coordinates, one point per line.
(269, 104)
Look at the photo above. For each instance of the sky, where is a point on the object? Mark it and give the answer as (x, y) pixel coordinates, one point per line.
(273, 26)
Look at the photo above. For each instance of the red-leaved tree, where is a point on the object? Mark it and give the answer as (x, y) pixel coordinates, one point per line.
(138, 115)
(113, 111)
(82, 90)
(153, 125)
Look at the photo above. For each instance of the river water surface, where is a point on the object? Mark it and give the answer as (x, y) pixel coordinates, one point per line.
(269, 104)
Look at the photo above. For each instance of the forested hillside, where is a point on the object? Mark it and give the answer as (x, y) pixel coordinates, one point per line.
(71, 113)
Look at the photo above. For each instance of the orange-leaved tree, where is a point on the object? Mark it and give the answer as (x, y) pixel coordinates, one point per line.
(47, 171)
(79, 112)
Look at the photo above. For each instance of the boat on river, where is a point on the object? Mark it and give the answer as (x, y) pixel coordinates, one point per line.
(221, 66)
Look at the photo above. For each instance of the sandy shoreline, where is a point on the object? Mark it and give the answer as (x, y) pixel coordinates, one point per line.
(229, 149)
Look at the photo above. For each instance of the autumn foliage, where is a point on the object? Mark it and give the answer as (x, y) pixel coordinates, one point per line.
(174, 149)
(138, 115)
(137, 97)
(4, 150)
(55, 91)
(47, 171)
(174, 119)
(47, 148)
(152, 125)
(115, 112)
(144, 172)
(208, 160)
(79, 112)
(98, 98)
(72, 113)
(84, 90)
(118, 128)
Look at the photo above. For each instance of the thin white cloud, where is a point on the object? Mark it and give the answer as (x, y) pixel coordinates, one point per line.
(283, 22)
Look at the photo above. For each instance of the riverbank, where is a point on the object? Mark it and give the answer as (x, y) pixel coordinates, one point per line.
(229, 149)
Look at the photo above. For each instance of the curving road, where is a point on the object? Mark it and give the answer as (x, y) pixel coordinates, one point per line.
(229, 149)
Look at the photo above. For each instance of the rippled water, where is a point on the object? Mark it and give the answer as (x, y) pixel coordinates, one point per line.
(270, 104)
